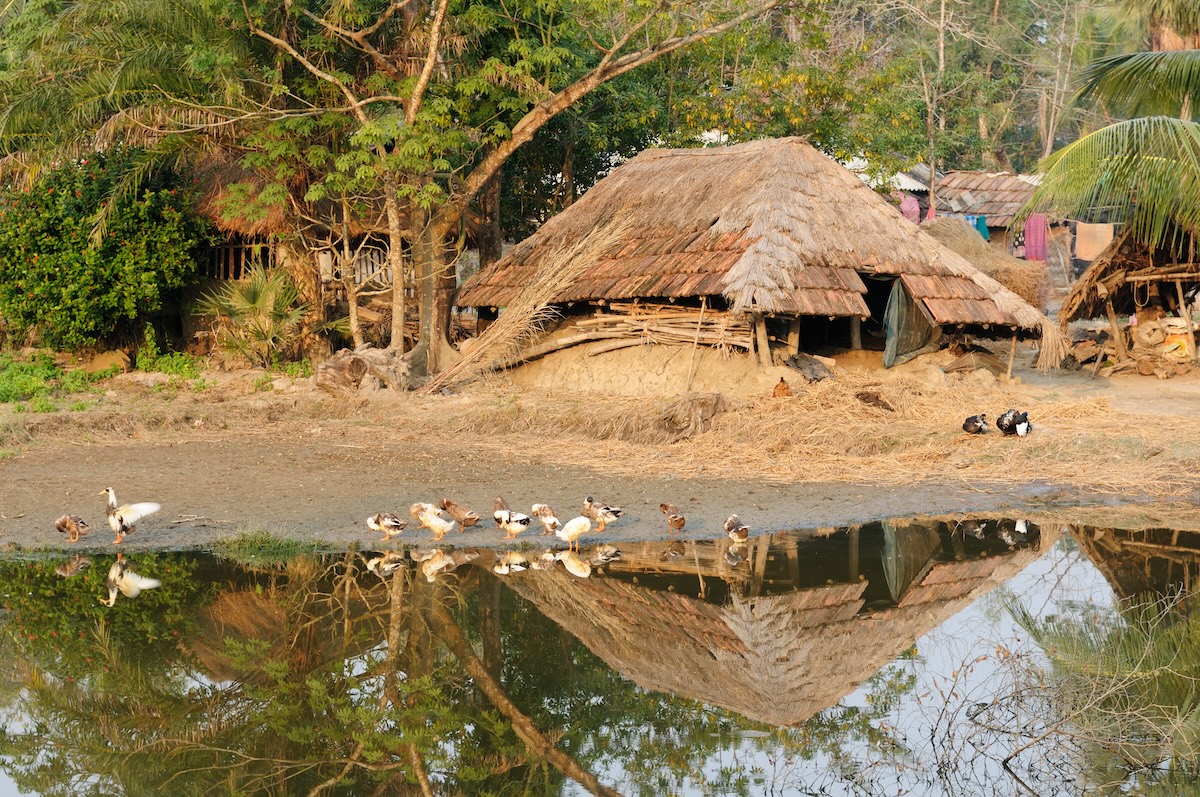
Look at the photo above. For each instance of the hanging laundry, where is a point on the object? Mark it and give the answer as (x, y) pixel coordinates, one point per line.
(981, 225)
(911, 208)
(1091, 240)
(932, 214)
(1035, 237)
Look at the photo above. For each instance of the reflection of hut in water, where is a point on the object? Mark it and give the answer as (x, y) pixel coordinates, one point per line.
(789, 631)
(1139, 561)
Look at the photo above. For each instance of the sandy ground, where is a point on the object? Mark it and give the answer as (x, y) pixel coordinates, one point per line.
(292, 461)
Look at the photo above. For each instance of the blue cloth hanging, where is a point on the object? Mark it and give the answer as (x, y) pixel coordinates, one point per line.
(981, 225)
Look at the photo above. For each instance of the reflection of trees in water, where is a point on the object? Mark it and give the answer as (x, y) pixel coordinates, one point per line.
(321, 678)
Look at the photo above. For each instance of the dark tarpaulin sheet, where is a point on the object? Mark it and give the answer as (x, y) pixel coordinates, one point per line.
(909, 329)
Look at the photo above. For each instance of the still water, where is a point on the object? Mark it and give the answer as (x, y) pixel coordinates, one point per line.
(947, 658)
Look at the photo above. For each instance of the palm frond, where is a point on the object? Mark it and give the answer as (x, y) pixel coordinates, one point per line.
(1144, 172)
(1145, 83)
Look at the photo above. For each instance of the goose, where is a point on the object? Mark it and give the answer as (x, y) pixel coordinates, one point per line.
(73, 526)
(573, 530)
(574, 565)
(122, 578)
(73, 566)
(675, 518)
(460, 514)
(602, 514)
(1014, 422)
(976, 424)
(546, 515)
(385, 564)
(388, 523)
(513, 523)
(738, 531)
(123, 519)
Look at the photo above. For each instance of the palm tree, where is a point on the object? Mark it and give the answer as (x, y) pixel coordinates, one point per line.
(1144, 170)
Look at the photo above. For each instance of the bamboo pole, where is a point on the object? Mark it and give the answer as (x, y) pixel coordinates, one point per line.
(1012, 356)
(794, 336)
(855, 333)
(1186, 314)
(695, 344)
(1118, 335)
(760, 334)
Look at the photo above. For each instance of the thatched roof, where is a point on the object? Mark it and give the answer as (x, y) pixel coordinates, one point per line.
(1028, 279)
(1138, 561)
(995, 195)
(1120, 259)
(776, 658)
(772, 226)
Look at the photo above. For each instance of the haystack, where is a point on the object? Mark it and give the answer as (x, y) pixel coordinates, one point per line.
(766, 228)
(1028, 279)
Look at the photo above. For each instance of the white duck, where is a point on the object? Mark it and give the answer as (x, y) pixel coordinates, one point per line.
(573, 530)
(123, 519)
(513, 523)
(121, 578)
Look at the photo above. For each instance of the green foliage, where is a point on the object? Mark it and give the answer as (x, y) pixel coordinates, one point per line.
(176, 363)
(37, 378)
(76, 292)
(256, 317)
(298, 369)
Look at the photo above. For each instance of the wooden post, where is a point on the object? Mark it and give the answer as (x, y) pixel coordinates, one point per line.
(794, 336)
(853, 565)
(695, 344)
(1185, 313)
(855, 333)
(1012, 355)
(1118, 335)
(760, 335)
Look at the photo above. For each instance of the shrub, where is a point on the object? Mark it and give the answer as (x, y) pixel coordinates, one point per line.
(37, 379)
(76, 292)
(174, 363)
(256, 317)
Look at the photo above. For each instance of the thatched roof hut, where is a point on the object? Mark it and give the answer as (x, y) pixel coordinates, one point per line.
(768, 228)
(779, 653)
(1029, 279)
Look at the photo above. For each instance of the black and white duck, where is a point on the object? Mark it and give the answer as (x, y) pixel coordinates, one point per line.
(123, 519)
(387, 523)
(976, 424)
(1014, 422)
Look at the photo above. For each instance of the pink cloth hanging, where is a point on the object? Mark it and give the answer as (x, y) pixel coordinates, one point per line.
(932, 214)
(911, 208)
(1035, 237)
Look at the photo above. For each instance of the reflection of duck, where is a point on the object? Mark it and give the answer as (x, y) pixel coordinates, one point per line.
(600, 513)
(675, 519)
(1014, 536)
(574, 565)
(441, 561)
(736, 529)
(976, 424)
(123, 519)
(73, 526)
(543, 561)
(388, 523)
(573, 530)
(673, 551)
(603, 554)
(383, 565)
(510, 562)
(733, 555)
(1013, 422)
(548, 519)
(464, 517)
(73, 566)
(122, 578)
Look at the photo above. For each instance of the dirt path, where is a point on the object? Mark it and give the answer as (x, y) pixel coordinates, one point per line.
(229, 459)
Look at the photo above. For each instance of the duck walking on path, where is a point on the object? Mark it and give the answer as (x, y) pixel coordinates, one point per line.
(675, 519)
(73, 526)
(388, 523)
(600, 513)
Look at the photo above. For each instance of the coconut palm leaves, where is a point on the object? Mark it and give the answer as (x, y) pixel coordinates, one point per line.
(257, 317)
(1144, 171)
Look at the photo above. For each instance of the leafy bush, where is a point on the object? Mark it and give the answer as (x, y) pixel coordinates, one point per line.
(257, 317)
(76, 292)
(37, 380)
(174, 363)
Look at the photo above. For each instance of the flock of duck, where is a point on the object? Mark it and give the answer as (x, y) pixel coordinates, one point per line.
(440, 519)
(1010, 422)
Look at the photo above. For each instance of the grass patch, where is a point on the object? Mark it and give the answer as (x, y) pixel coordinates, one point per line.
(37, 380)
(259, 547)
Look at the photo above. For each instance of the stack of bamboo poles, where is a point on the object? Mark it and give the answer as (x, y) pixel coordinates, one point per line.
(632, 325)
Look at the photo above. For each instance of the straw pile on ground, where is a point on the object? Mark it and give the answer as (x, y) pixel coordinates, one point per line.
(1028, 279)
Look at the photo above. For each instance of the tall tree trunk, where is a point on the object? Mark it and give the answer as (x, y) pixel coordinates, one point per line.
(395, 261)
(350, 278)
(436, 283)
(490, 237)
